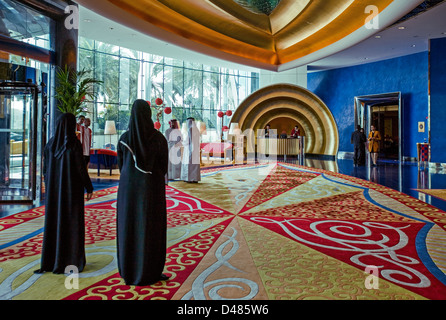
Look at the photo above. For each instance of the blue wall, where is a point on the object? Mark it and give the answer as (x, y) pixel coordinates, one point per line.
(408, 75)
(438, 100)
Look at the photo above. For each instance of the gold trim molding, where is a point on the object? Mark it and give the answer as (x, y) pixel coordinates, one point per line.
(294, 29)
(297, 32)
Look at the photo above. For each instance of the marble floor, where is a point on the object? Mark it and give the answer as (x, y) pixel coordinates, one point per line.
(406, 178)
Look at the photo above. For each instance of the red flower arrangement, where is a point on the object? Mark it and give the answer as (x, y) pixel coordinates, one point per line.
(159, 108)
(221, 114)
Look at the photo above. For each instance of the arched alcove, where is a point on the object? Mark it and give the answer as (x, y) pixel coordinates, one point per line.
(296, 104)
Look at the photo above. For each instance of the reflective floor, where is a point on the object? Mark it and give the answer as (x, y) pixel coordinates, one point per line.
(405, 178)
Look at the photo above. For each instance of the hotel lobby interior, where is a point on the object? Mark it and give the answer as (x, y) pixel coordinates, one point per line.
(285, 218)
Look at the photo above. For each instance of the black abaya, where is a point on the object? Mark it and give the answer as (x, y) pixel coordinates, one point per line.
(66, 179)
(141, 207)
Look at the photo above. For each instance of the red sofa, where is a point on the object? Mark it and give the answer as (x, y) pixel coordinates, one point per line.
(103, 158)
(216, 149)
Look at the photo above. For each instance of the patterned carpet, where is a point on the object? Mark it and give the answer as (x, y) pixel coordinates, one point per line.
(253, 232)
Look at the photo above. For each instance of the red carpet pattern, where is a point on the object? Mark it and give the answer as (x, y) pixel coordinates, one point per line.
(253, 232)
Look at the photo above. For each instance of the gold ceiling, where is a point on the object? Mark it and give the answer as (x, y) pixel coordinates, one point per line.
(288, 31)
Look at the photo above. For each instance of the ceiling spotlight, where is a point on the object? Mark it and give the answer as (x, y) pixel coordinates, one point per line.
(402, 28)
(378, 37)
(414, 45)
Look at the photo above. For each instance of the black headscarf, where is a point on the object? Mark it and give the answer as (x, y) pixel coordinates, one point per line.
(141, 130)
(65, 136)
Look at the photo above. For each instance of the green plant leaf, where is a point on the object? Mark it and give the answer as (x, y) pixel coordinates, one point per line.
(72, 87)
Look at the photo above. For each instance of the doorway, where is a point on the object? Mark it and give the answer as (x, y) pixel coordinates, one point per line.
(385, 119)
(20, 141)
(384, 111)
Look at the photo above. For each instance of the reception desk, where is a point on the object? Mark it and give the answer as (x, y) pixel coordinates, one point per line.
(280, 147)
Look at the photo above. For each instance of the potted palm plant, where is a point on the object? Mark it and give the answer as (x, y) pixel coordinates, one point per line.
(72, 89)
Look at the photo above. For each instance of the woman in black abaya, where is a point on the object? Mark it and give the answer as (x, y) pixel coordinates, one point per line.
(66, 179)
(141, 207)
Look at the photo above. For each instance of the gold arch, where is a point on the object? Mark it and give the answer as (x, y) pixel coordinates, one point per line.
(294, 102)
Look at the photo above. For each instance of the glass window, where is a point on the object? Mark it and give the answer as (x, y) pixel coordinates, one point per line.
(243, 88)
(98, 119)
(156, 59)
(191, 89)
(177, 87)
(146, 84)
(124, 81)
(107, 70)
(146, 56)
(168, 85)
(229, 93)
(129, 53)
(106, 48)
(210, 90)
(173, 62)
(193, 65)
(86, 60)
(130, 85)
(86, 44)
(157, 82)
(26, 25)
(211, 69)
(123, 119)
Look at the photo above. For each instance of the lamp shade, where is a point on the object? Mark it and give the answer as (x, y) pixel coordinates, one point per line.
(110, 127)
(201, 127)
(234, 129)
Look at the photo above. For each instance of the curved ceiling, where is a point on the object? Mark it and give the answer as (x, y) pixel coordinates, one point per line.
(267, 34)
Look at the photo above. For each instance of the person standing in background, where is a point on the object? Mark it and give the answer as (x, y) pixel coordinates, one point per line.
(358, 139)
(374, 140)
(190, 170)
(267, 131)
(295, 133)
(173, 137)
(86, 141)
(80, 127)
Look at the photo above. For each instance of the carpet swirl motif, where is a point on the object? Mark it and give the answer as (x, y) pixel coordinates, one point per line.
(267, 232)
